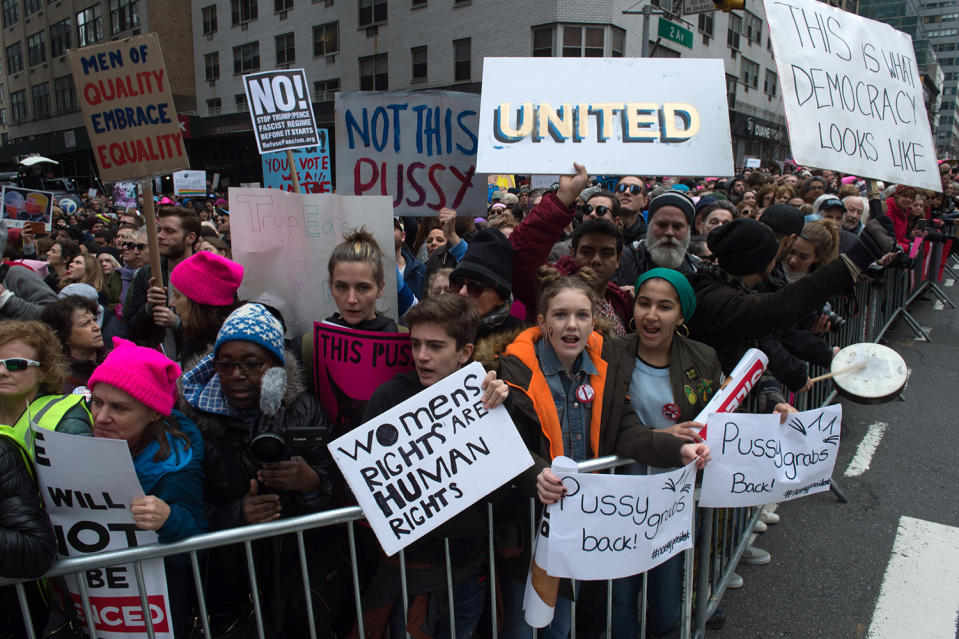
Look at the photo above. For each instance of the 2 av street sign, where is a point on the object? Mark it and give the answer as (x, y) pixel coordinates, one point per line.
(672, 31)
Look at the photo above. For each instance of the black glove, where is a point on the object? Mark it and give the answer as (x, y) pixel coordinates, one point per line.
(874, 242)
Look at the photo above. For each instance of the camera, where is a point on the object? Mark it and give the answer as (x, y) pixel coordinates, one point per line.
(270, 447)
(836, 321)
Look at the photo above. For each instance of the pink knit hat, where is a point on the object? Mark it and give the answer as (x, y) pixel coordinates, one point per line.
(147, 375)
(207, 278)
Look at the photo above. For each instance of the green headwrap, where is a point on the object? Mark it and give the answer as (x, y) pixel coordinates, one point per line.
(684, 290)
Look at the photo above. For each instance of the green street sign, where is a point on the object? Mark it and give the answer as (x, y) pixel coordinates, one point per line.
(672, 31)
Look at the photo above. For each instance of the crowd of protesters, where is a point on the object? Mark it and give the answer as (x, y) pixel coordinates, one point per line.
(641, 296)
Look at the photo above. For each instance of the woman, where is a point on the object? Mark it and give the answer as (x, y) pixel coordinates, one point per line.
(108, 263)
(783, 194)
(59, 257)
(439, 283)
(204, 295)
(357, 280)
(85, 269)
(74, 320)
(817, 244)
(133, 393)
(215, 245)
(429, 237)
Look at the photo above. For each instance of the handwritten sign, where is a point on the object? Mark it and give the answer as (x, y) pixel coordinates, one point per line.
(125, 194)
(853, 94)
(612, 526)
(677, 122)
(284, 241)
(189, 183)
(23, 205)
(419, 464)
(87, 485)
(349, 365)
(417, 147)
(128, 109)
(757, 461)
(281, 110)
(312, 165)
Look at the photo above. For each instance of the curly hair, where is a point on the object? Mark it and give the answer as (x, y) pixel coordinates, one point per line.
(41, 338)
(824, 235)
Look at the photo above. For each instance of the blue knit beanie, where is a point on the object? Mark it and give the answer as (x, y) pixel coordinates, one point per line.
(252, 323)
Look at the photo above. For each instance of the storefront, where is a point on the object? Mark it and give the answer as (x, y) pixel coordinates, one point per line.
(756, 137)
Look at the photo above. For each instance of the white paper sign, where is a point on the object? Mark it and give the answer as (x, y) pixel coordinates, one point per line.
(756, 460)
(87, 486)
(670, 118)
(189, 183)
(284, 241)
(613, 526)
(419, 464)
(853, 94)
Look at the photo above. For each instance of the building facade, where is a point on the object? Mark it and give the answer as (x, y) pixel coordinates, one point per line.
(940, 21)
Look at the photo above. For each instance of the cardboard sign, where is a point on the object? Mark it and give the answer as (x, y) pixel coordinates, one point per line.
(281, 110)
(128, 109)
(284, 241)
(612, 526)
(853, 94)
(421, 463)
(349, 365)
(757, 461)
(125, 194)
(23, 205)
(417, 147)
(312, 166)
(672, 119)
(87, 486)
(191, 183)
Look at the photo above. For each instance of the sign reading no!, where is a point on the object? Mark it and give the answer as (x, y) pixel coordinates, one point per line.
(281, 110)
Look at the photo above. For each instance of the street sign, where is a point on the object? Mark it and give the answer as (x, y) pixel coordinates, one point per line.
(698, 6)
(674, 32)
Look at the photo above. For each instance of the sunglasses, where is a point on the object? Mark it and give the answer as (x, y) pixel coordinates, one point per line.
(473, 289)
(131, 246)
(600, 209)
(249, 367)
(17, 364)
(634, 189)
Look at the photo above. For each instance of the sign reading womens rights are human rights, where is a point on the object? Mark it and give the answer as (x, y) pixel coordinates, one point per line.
(642, 116)
(853, 94)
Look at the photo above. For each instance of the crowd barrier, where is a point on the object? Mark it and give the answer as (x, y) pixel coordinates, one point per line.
(721, 537)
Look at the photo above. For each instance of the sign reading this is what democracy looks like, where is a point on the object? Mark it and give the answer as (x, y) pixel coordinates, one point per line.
(281, 110)
(853, 94)
(642, 116)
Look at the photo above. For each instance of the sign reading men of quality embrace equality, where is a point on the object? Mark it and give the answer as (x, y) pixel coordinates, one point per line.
(419, 147)
(87, 485)
(419, 464)
(127, 106)
(756, 460)
(643, 116)
(853, 94)
(281, 110)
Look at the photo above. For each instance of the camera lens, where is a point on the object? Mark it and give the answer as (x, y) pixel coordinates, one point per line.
(268, 448)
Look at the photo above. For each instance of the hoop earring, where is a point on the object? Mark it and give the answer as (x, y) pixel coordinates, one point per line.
(631, 325)
(682, 330)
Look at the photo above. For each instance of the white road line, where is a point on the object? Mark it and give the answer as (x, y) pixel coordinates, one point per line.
(920, 590)
(866, 449)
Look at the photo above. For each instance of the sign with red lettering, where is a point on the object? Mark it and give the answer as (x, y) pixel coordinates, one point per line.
(127, 106)
(418, 147)
(281, 110)
(312, 166)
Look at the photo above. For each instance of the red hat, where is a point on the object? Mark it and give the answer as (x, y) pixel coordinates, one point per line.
(208, 278)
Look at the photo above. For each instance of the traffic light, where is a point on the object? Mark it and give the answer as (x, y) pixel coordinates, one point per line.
(729, 5)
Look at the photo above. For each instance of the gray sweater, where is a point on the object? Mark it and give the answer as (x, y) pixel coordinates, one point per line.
(26, 294)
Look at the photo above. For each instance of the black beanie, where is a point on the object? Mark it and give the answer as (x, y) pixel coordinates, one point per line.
(488, 260)
(673, 198)
(784, 219)
(744, 246)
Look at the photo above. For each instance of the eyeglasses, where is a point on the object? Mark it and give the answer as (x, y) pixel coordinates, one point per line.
(473, 289)
(249, 366)
(131, 246)
(635, 189)
(599, 209)
(17, 364)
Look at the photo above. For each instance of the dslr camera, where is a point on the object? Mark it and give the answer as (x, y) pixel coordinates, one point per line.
(270, 447)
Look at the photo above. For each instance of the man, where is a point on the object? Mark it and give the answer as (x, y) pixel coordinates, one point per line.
(667, 242)
(791, 180)
(603, 204)
(832, 209)
(852, 218)
(103, 238)
(631, 191)
(736, 190)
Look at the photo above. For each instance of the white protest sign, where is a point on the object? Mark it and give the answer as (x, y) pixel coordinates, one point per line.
(612, 526)
(189, 183)
(753, 163)
(853, 94)
(426, 460)
(757, 461)
(672, 119)
(281, 110)
(284, 241)
(87, 486)
(419, 147)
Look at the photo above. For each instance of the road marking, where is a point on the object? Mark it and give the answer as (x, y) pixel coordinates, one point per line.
(919, 596)
(866, 449)
(949, 282)
(938, 305)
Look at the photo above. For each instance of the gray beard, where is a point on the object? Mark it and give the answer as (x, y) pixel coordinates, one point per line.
(667, 256)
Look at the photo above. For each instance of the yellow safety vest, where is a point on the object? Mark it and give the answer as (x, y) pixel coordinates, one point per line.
(46, 412)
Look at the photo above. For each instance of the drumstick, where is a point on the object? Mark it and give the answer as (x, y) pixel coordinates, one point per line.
(848, 369)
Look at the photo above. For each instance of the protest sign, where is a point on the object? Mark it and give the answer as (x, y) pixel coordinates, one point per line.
(284, 240)
(757, 461)
(419, 147)
(23, 205)
(736, 387)
(853, 94)
(677, 122)
(128, 108)
(189, 183)
(350, 364)
(87, 485)
(125, 194)
(312, 166)
(753, 163)
(612, 526)
(419, 464)
(281, 110)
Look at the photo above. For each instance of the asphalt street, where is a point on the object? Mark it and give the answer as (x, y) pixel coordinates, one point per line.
(829, 559)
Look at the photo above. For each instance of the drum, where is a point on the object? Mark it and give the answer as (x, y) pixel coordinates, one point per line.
(869, 373)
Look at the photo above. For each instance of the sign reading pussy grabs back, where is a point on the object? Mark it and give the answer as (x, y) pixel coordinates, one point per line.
(625, 115)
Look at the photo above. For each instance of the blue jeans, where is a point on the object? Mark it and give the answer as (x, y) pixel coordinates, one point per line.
(514, 623)
(664, 599)
(469, 601)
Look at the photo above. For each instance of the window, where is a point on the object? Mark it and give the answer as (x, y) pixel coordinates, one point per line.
(619, 42)
(732, 84)
(240, 100)
(37, 48)
(59, 37)
(214, 106)
(416, 4)
(211, 64)
(64, 94)
(14, 58)
(462, 71)
(18, 106)
(418, 55)
(325, 90)
(246, 58)
(282, 5)
(3, 120)
(285, 49)
(372, 12)
(706, 23)
(542, 42)
(243, 11)
(583, 42)
(754, 28)
(749, 73)
(1, 93)
(10, 15)
(374, 74)
(30, 7)
(771, 83)
(89, 26)
(124, 15)
(40, 93)
(732, 32)
(209, 20)
(326, 38)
